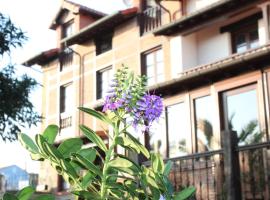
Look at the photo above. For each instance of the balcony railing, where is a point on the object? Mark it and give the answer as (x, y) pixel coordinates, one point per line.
(209, 173)
(151, 19)
(202, 170)
(65, 121)
(66, 59)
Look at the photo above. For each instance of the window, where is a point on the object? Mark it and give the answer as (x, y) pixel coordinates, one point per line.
(103, 43)
(153, 66)
(104, 77)
(157, 137)
(245, 38)
(66, 59)
(66, 104)
(241, 114)
(178, 132)
(204, 124)
(67, 29)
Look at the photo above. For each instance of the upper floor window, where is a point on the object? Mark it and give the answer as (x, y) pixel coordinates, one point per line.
(66, 59)
(68, 29)
(245, 38)
(104, 77)
(103, 43)
(153, 66)
(66, 99)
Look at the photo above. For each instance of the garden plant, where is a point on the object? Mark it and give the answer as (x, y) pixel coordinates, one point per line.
(100, 173)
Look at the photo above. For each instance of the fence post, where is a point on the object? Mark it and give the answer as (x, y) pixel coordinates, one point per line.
(231, 166)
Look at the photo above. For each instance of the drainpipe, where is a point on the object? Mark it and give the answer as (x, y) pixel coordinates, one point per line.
(158, 2)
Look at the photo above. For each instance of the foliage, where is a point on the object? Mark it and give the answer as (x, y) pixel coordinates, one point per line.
(25, 194)
(116, 176)
(15, 108)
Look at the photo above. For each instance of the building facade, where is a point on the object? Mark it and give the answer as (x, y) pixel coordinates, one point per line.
(209, 59)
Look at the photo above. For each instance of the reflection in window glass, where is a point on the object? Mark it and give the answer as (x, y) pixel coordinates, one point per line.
(157, 136)
(204, 124)
(242, 115)
(178, 132)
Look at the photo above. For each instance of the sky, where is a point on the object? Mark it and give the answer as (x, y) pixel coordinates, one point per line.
(34, 18)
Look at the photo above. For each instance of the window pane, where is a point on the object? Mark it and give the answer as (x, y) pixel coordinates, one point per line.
(160, 78)
(241, 43)
(149, 59)
(242, 115)
(157, 136)
(150, 81)
(150, 71)
(253, 35)
(204, 123)
(177, 130)
(66, 95)
(159, 56)
(160, 68)
(103, 81)
(154, 66)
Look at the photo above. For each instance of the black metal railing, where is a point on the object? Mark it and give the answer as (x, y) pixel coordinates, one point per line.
(254, 161)
(65, 122)
(151, 19)
(66, 59)
(202, 170)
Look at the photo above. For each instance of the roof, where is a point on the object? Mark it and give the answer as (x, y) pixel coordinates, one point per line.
(42, 58)
(104, 24)
(197, 19)
(79, 8)
(212, 72)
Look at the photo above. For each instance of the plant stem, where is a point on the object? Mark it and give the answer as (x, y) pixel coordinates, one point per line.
(108, 157)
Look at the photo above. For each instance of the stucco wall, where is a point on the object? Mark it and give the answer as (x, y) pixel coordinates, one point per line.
(194, 5)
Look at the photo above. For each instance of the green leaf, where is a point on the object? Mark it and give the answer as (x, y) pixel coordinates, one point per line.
(45, 197)
(140, 147)
(127, 143)
(28, 143)
(71, 145)
(87, 179)
(97, 115)
(8, 196)
(40, 141)
(185, 194)
(69, 169)
(87, 164)
(124, 164)
(36, 157)
(87, 195)
(91, 135)
(25, 193)
(167, 169)
(157, 163)
(155, 193)
(50, 133)
(52, 151)
(88, 153)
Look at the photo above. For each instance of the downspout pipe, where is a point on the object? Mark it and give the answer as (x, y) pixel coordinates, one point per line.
(158, 2)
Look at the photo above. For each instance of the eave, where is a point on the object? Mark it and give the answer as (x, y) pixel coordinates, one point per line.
(207, 74)
(100, 26)
(42, 58)
(78, 8)
(204, 16)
